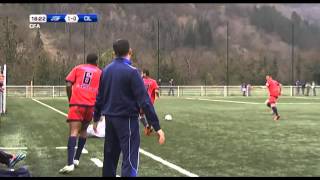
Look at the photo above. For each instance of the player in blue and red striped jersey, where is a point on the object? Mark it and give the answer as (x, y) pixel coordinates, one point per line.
(274, 90)
(82, 88)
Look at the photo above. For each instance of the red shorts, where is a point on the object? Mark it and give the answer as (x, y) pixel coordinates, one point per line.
(80, 113)
(272, 99)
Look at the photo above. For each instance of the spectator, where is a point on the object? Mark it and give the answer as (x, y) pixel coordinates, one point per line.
(249, 87)
(171, 83)
(308, 86)
(313, 86)
(243, 89)
(303, 86)
(297, 87)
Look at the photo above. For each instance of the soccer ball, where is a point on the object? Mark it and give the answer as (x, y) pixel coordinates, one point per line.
(168, 117)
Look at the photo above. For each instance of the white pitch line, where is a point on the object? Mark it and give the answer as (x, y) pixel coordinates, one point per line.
(56, 110)
(173, 166)
(243, 102)
(13, 148)
(298, 103)
(97, 162)
(154, 157)
(84, 150)
(307, 98)
(215, 100)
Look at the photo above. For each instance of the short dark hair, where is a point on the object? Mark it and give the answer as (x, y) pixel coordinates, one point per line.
(121, 47)
(146, 71)
(92, 58)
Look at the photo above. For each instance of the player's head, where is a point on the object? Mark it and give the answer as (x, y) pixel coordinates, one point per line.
(268, 77)
(145, 72)
(92, 58)
(121, 48)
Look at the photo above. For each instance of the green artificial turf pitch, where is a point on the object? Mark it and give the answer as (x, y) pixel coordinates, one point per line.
(228, 137)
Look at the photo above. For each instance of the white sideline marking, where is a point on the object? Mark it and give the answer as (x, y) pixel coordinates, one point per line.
(173, 166)
(13, 148)
(307, 98)
(84, 150)
(298, 103)
(152, 156)
(242, 102)
(238, 102)
(97, 162)
(56, 110)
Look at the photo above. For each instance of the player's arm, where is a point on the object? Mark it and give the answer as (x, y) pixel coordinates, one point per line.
(144, 102)
(280, 89)
(99, 102)
(100, 98)
(156, 87)
(69, 90)
(70, 79)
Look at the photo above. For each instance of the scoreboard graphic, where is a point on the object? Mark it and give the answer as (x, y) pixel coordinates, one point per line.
(36, 19)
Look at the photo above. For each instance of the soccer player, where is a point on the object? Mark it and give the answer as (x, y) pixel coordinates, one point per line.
(82, 89)
(120, 97)
(153, 92)
(151, 85)
(11, 159)
(274, 90)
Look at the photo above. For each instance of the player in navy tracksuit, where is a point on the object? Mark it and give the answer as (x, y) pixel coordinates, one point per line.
(121, 95)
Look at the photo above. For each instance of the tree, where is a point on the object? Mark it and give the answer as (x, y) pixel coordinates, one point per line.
(296, 18)
(204, 33)
(105, 58)
(38, 44)
(190, 37)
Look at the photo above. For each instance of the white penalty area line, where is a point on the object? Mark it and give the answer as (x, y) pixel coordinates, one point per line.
(242, 102)
(13, 148)
(152, 156)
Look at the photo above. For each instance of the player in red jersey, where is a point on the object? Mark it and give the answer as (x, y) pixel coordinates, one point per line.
(153, 92)
(82, 89)
(151, 85)
(274, 90)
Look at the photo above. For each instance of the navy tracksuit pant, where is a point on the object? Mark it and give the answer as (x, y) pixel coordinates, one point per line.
(121, 135)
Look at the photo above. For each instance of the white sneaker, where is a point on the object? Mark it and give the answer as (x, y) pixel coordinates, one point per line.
(76, 163)
(67, 169)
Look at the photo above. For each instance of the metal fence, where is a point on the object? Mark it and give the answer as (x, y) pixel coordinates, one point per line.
(60, 91)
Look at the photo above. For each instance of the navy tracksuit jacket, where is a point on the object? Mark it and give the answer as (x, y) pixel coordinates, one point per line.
(121, 95)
